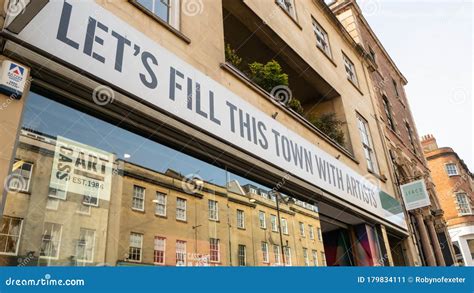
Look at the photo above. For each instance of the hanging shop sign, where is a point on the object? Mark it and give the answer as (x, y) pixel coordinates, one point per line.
(81, 169)
(89, 37)
(13, 77)
(415, 195)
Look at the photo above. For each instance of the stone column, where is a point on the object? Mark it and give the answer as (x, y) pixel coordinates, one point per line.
(425, 240)
(435, 241)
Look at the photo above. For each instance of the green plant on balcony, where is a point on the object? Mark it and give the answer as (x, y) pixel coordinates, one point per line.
(295, 105)
(268, 75)
(232, 57)
(330, 125)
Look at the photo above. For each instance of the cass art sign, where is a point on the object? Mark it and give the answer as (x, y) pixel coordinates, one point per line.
(81, 169)
(92, 39)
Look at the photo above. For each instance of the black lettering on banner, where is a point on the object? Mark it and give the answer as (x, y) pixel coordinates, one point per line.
(64, 26)
(153, 83)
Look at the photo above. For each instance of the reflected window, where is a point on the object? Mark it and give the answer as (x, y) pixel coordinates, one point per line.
(10, 232)
(85, 245)
(160, 208)
(180, 253)
(242, 254)
(213, 210)
(135, 249)
(180, 209)
(159, 250)
(311, 232)
(277, 254)
(261, 219)
(51, 240)
(305, 257)
(287, 252)
(315, 258)
(240, 219)
(265, 257)
(284, 226)
(273, 220)
(138, 200)
(19, 179)
(302, 232)
(215, 255)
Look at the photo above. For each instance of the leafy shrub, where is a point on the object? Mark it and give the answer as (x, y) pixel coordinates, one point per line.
(268, 75)
(330, 125)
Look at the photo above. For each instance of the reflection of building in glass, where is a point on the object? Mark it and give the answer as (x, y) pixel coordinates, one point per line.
(47, 226)
(151, 218)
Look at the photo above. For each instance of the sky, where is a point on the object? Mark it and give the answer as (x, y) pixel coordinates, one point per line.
(432, 44)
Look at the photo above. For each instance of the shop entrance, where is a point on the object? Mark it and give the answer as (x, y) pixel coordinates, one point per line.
(349, 240)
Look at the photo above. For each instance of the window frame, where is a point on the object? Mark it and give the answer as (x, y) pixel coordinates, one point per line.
(306, 257)
(58, 242)
(367, 144)
(311, 232)
(20, 168)
(274, 222)
(265, 252)
(315, 257)
(242, 253)
(277, 254)
(216, 250)
(464, 206)
(287, 252)
(134, 197)
(155, 250)
(185, 209)
(163, 205)
(290, 11)
(388, 112)
(2, 252)
(446, 167)
(284, 226)
(85, 246)
(350, 66)
(140, 248)
(213, 213)
(182, 244)
(241, 219)
(317, 27)
(262, 221)
(302, 230)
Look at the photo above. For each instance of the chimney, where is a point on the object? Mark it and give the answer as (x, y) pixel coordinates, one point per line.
(429, 143)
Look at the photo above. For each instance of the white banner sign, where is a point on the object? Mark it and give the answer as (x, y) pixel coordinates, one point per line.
(91, 38)
(81, 169)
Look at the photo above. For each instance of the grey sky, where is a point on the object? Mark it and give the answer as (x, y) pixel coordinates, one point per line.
(432, 44)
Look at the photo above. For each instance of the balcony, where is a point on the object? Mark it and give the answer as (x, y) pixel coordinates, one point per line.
(257, 55)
